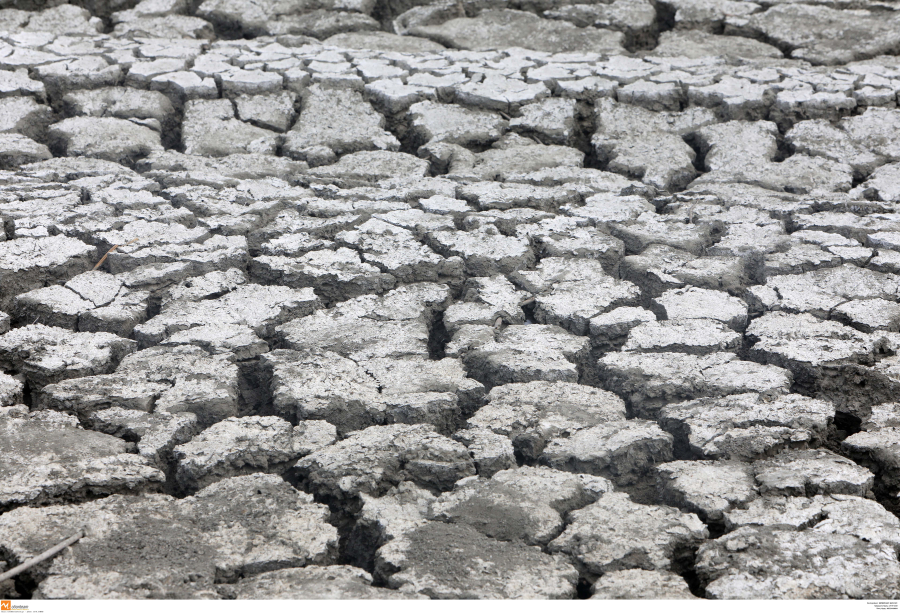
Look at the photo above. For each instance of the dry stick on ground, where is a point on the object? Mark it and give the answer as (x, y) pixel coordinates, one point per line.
(38, 559)
(111, 249)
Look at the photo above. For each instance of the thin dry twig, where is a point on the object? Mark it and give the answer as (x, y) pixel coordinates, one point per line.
(111, 249)
(40, 558)
(526, 301)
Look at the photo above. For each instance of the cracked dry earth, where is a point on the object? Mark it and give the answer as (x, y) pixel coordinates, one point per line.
(395, 308)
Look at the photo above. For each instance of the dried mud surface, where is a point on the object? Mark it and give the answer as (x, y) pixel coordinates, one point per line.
(461, 299)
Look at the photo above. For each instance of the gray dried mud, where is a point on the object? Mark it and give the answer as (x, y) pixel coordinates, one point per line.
(383, 299)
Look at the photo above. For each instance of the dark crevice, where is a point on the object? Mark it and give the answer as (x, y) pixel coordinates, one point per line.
(583, 589)
(887, 497)
(846, 424)
(21, 586)
(154, 305)
(438, 337)
(171, 486)
(398, 124)
(693, 141)
(255, 391)
(598, 160)
(584, 128)
(358, 546)
(716, 528)
(683, 564)
(665, 16)
(644, 40)
(229, 30)
(522, 458)
(28, 398)
(350, 552)
(643, 491)
(528, 309)
(25, 586)
(785, 150)
(693, 581)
